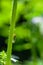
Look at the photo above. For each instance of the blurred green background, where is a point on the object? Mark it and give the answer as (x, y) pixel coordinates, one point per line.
(28, 32)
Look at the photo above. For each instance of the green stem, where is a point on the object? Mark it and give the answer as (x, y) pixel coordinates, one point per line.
(34, 55)
(12, 26)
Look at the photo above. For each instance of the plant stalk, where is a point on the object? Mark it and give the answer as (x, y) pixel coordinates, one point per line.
(12, 27)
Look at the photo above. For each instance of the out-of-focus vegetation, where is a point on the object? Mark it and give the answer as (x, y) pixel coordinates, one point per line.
(28, 27)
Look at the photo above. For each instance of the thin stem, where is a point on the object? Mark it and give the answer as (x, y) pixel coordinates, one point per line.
(13, 20)
(34, 55)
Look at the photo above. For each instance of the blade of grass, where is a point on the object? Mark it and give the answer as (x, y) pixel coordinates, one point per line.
(12, 27)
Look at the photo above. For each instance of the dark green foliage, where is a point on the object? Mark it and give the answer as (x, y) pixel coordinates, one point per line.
(27, 33)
